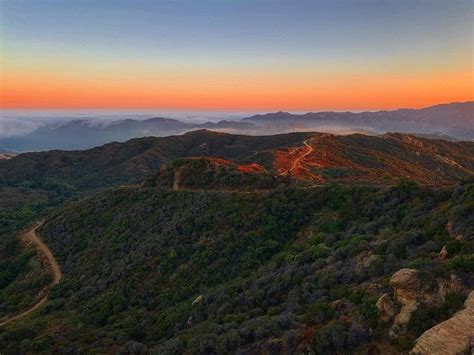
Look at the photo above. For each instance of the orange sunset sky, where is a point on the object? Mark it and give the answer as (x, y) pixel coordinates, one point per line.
(241, 55)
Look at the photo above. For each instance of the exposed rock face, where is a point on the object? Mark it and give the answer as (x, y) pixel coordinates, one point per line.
(386, 307)
(411, 289)
(406, 286)
(198, 300)
(443, 254)
(453, 336)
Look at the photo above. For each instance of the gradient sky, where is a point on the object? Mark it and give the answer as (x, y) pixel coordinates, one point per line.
(235, 54)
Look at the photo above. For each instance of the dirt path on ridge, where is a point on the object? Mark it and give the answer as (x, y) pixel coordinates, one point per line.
(297, 161)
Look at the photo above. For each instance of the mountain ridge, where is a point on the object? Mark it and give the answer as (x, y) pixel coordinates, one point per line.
(355, 158)
(454, 119)
(448, 119)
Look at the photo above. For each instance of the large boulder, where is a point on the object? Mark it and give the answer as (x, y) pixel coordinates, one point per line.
(407, 289)
(410, 290)
(453, 336)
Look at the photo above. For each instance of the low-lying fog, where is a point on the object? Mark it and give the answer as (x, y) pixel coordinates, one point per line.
(33, 130)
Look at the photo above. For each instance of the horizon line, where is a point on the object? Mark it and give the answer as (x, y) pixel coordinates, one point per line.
(273, 110)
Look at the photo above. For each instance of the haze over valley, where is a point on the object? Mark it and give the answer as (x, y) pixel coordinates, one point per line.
(20, 132)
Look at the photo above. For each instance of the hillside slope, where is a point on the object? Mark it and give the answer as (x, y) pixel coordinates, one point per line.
(357, 157)
(117, 163)
(289, 270)
(383, 159)
(205, 173)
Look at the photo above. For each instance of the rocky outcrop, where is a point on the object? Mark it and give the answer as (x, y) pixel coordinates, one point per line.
(406, 288)
(198, 300)
(453, 336)
(443, 254)
(410, 290)
(386, 307)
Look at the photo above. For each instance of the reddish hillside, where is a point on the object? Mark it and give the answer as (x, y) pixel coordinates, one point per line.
(217, 163)
(382, 159)
(210, 173)
(315, 156)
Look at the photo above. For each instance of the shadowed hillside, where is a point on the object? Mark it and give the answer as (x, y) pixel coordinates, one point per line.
(118, 163)
(357, 157)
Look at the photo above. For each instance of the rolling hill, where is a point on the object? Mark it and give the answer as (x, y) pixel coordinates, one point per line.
(352, 158)
(118, 163)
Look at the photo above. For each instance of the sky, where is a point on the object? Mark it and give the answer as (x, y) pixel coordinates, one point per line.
(294, 55)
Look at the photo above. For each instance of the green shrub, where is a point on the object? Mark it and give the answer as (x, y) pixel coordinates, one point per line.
(404, 343)
(464, 263)
(319, 312)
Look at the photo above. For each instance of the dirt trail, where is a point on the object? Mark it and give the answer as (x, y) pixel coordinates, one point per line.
(30, 236)
(296, 162)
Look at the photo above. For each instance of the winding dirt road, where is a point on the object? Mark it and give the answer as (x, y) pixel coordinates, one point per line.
(296, 162)
(30, 236)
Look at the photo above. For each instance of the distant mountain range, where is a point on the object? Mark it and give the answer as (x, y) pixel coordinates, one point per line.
(84, 134)
(453, 121)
